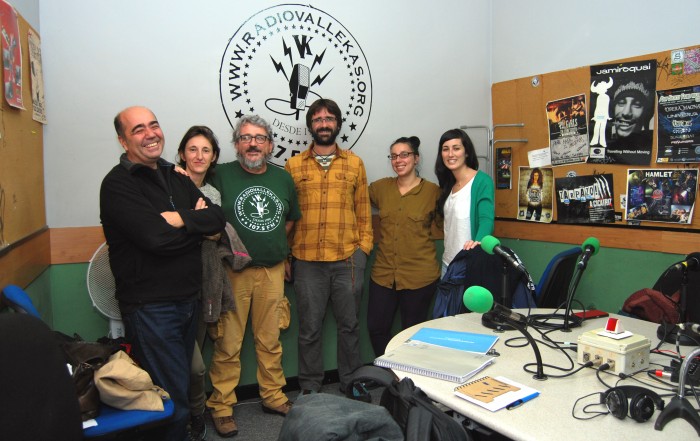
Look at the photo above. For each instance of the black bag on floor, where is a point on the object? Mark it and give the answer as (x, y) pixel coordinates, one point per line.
(418, 417)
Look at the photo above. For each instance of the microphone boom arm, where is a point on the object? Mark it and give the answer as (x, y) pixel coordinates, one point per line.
(539, 375)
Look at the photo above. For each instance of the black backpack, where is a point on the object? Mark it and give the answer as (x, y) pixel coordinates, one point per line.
(415, 413)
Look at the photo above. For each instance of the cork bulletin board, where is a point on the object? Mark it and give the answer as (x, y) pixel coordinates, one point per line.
(24, 236)
(22, 207)
(524, 101)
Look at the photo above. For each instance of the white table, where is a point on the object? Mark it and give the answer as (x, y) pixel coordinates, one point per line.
(549, 416)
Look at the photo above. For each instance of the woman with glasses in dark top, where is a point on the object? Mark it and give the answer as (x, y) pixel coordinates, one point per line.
(406, 271)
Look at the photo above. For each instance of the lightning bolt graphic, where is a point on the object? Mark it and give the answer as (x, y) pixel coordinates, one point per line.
(279, 67)
(318, 59)
(319, 79)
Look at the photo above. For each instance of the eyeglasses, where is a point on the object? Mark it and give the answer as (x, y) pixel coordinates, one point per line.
(327, 119)
(402, 155)
(247, 138)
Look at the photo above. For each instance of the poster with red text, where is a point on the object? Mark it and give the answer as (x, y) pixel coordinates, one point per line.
(11, 55)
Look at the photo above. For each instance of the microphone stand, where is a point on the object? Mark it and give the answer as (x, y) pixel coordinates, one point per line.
(671, 334)
(539, 375)
(492, 319)
(679, 407)
(578, 272)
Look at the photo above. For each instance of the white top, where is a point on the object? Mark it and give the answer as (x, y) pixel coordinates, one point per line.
(457, 225)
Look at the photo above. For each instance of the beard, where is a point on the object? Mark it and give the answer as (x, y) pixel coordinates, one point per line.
(319, 134)
(250, 164)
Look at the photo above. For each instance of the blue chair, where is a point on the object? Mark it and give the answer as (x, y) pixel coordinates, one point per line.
(553, 286)
(14, 297)
(110, 422)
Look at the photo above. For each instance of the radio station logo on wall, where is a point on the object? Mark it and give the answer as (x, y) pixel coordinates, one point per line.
(284, 58)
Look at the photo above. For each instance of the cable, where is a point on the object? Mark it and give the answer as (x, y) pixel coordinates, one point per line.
(601, 368)
(585, 408)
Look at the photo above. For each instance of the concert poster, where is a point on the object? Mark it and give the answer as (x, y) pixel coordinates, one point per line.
(37, 78)
(504, 163)
(621, 116)
(11, 55)
(568, 130)
(585, 199)
(678, 133)
(661, 195)
(535, 186)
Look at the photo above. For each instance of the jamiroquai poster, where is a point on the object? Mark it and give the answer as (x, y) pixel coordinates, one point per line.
(622, 113)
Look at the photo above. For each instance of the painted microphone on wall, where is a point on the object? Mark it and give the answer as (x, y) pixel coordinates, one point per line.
(590, 248)
(691, 262)
(493, 246)
(480, 299)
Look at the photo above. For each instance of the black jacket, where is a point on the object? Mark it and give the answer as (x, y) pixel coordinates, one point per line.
(151, 260)
(477, 268)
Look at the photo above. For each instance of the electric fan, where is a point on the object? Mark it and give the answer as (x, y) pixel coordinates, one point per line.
(101, 287)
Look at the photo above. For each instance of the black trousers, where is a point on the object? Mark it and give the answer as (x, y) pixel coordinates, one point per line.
(414, 305)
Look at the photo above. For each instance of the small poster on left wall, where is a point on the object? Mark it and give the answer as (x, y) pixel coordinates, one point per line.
(11, 55)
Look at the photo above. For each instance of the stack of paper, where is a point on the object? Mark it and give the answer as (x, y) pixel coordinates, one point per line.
(449, 355)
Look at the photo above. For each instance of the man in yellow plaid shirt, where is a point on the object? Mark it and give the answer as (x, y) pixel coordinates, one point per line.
(330, 244)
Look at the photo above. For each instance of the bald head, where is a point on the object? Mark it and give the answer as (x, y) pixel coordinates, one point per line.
(139, 133)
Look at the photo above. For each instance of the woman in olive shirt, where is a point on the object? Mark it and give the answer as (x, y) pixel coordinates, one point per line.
(406, 271)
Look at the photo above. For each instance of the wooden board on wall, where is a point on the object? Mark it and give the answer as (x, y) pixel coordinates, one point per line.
(518, 101)
(22, 209)
(24, 237)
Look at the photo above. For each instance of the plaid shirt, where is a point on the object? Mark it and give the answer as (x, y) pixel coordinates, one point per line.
(336, 215)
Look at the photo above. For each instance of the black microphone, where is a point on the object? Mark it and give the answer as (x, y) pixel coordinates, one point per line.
(492, 245)
(691, 262)
(480, 299)
(590, 248)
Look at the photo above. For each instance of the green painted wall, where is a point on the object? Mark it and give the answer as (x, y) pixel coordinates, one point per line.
(612, 275)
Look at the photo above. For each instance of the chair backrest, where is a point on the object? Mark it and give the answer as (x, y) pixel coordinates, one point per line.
(16, 298)
(670, 282)
(554, 283)
(38, 399)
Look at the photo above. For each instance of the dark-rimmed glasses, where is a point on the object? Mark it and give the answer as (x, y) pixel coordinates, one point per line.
(247, 138)
(402, 155)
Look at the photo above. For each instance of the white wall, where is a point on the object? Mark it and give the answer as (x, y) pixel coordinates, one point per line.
(541, 36)
(432, 66)
(29, 10)
(429, 64)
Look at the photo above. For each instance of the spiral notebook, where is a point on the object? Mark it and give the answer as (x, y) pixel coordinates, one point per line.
(495, 393)
(464, 341)
(434, 361)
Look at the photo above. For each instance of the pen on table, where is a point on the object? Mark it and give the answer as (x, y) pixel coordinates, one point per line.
(520, 402)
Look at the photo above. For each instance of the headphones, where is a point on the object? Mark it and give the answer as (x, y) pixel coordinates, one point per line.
(641, 406)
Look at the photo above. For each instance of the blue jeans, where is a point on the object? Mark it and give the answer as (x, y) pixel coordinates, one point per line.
(163, 335)
(315, 283)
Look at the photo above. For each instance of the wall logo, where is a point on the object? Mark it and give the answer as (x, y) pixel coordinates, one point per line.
(259, 209)
(284, 58)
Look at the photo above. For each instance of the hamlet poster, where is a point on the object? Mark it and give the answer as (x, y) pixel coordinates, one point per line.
(661, 195)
